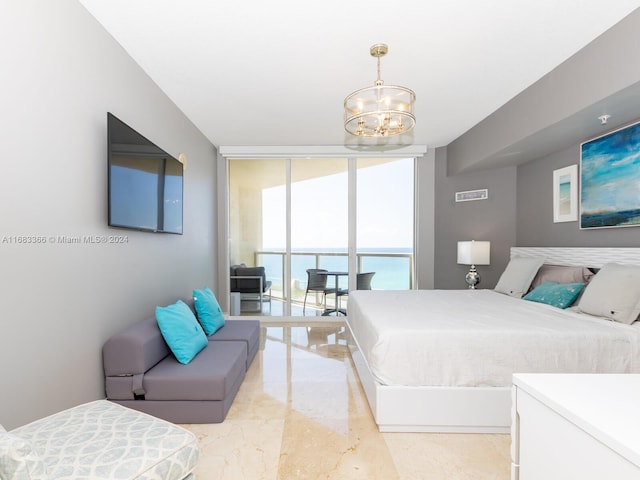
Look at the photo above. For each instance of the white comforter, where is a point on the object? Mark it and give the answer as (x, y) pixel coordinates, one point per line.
(480, 338)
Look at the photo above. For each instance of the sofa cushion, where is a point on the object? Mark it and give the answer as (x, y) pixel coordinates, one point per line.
(208, 309)
(209, 376)
(134, 350)
(247, 331)
(181, 331)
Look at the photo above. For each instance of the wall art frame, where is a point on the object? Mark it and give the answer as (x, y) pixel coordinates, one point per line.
(610, 179)
(565, 194)
(472, 195)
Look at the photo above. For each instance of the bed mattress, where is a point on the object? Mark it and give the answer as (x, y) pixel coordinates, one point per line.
(478, 338)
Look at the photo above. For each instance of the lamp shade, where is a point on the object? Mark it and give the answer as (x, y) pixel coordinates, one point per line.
(474, 253)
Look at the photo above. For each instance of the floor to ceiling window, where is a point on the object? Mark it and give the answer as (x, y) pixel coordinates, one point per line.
(385, 221)
(351, 215)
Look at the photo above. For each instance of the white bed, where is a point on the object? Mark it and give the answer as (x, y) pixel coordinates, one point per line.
(455, 376)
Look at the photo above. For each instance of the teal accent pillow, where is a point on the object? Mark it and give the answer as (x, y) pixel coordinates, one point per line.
(209, 312)
(561, 295)
(181, 331)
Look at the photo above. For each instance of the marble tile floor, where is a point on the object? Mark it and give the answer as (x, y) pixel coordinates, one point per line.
(301, 413)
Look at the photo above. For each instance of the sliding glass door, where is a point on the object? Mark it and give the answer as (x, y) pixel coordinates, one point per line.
(344, 215)
(319, 228)
(385, 221)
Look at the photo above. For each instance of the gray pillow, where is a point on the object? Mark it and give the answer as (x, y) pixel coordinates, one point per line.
(517, 277)
(561, 274)
(613, 293)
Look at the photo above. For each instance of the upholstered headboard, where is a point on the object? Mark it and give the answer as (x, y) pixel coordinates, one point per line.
(594, 257)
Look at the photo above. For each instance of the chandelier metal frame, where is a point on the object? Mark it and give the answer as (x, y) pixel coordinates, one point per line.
(381, 110)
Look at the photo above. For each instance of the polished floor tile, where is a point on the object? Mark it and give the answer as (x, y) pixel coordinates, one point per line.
(301, 413)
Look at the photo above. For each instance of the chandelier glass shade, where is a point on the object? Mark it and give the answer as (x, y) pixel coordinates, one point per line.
(381, 110)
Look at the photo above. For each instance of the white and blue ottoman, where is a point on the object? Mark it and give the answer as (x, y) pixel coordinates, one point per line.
(98, 440)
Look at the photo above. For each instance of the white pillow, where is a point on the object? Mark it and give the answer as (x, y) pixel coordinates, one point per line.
(517, 277)
(614, 293)
(18, 459)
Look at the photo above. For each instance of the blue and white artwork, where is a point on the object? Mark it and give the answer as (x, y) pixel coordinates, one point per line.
(564, 191)
(610, 180)
(565, 194)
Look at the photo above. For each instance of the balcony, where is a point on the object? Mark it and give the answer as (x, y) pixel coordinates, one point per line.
(394, 271)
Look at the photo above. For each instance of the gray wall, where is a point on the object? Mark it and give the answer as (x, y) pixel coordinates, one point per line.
(425, 216)
(493, 219)
(543, 126)
(560, 108)
(535, 227)
(60, 302)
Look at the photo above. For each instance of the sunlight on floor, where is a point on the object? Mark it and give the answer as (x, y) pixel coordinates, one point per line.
(301, 413)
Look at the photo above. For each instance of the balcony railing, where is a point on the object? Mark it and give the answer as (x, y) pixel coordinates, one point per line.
(394, 270)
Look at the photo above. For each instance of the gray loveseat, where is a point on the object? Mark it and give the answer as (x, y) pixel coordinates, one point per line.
(142, 373)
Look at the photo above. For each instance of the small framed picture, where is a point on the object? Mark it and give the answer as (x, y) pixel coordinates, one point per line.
(471, 195)
(565, 194)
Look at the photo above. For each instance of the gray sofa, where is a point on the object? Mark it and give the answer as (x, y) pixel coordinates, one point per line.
(142, 373)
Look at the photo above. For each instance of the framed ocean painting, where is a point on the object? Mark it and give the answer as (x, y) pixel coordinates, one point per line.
(610, 179)
(565, 194)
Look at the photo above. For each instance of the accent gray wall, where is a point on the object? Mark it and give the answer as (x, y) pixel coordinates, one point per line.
(535, 227)
(493, 219)
(63, 72)
(561, 108)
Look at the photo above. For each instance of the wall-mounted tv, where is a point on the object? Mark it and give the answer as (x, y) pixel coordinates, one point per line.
(145, 182)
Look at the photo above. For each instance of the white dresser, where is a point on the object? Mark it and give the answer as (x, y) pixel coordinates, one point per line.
(575, 426)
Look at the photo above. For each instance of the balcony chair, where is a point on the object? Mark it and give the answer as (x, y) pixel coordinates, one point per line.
(316, 283)
(252, 285)
(363, 282)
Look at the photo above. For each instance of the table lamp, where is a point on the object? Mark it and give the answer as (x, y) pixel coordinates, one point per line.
(473, 253)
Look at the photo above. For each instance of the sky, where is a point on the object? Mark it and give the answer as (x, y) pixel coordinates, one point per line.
(610, 172)
(319, 215)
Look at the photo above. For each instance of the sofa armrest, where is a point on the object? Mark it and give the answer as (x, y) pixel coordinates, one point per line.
(135, 349)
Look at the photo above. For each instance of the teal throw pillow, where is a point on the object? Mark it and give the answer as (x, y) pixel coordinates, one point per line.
(181, 331)
(561, 295)
(209, 312)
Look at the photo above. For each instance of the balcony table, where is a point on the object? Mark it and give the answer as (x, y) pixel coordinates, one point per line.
(337, 276)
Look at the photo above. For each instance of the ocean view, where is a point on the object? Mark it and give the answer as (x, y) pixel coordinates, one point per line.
(611, 219)
(392, 272)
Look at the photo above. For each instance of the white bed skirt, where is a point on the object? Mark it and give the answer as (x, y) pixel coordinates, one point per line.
(433, 409)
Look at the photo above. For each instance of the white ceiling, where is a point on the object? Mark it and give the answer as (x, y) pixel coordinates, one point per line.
(256, 73)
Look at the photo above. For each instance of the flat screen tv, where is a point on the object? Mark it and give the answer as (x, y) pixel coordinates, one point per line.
(145, 182)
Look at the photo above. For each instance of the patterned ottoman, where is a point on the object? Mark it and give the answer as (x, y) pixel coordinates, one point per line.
(98, 440)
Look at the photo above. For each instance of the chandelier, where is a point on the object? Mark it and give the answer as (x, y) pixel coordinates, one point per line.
(381, 110)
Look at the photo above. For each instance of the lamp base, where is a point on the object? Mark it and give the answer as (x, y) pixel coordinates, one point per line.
(473, 277)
